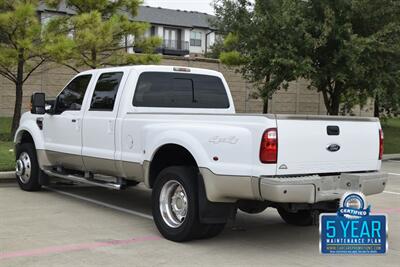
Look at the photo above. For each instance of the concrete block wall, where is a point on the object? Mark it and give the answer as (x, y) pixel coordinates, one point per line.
(49, 78)
(297, 99)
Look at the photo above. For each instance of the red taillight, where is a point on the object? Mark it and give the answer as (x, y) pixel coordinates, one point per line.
(269, 146)
(380, 144)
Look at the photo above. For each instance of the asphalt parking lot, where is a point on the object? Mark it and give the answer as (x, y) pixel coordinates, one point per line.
(86, 226)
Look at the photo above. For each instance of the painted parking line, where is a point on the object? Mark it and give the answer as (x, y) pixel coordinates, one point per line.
(392, 173)
(100, 203)
(391, 192)
(74, 247)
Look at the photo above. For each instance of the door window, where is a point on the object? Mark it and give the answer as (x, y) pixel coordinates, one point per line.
(105, 92)
(71, 97)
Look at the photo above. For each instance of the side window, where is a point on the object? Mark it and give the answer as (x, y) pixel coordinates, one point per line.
(177, 90)
(105, 92)
(71, 97)
(195, 38)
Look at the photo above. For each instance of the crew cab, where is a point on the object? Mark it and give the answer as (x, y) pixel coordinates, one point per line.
(175, 129)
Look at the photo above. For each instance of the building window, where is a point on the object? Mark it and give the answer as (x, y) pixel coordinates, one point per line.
(195, 38)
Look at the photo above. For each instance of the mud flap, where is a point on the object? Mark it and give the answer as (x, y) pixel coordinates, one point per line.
(213, 212)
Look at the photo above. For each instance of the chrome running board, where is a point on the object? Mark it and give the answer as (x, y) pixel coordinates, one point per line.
(80, 179)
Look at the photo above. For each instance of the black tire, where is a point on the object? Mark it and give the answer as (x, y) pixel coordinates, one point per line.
(211, 230)
(299, 218)
(31, 184)
(190, 227)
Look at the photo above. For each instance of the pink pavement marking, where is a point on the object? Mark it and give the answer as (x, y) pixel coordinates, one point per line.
(74, 247)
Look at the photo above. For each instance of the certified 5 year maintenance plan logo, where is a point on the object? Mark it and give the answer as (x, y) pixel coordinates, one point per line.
(353, 229)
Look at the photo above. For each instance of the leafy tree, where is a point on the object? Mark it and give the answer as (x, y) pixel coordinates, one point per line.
(263, 42)
(97, 35)
(21, 47)
(216, 49)
(380, 21)
(348, 50)
(354, 51)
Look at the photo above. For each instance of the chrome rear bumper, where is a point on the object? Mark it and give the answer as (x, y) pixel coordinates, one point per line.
(315, 188)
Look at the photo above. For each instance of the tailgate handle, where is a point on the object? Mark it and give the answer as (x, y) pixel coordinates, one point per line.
(333, 130)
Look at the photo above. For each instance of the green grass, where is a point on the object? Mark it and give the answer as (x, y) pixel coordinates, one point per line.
(6, 146)
(7, 161)
(391, 130)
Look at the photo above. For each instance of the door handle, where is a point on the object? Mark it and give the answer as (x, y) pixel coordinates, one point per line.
(77, 124)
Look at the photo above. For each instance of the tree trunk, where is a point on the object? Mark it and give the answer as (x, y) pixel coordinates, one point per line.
(18, 94)
(376, 106)
(265, 105)
(94, 59)
(335, 103)
(331, 101)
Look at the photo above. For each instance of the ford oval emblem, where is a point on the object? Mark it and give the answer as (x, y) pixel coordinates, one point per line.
(333, 147)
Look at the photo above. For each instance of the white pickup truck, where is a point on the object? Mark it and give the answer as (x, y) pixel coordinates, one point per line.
(175, 129)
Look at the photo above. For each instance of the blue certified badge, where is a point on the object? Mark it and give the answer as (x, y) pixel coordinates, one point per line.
(353, 229)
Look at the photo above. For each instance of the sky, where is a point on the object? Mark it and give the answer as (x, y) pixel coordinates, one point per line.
(190, 5)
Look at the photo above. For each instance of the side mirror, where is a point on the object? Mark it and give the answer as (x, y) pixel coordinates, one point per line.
(38, 103)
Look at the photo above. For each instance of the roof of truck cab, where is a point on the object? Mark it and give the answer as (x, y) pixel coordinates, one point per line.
(154, 68)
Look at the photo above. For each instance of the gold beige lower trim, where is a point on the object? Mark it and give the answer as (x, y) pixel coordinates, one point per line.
(128, 170)
(227, 188)
(146, 172)
(133, 171)
(43, 161)
(48, 158)
(100, 165)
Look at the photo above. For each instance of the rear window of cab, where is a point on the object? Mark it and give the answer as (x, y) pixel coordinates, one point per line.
(180, 90)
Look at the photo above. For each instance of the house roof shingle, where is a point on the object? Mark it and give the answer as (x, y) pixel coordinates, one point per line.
(182, 18)
(154, 15)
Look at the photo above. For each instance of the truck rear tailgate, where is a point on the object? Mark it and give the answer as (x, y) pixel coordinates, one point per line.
(321, 144)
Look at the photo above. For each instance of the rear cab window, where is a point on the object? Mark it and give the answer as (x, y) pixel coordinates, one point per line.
(180, 90)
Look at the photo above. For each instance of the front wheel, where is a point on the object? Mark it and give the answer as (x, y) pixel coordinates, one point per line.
(27, 169)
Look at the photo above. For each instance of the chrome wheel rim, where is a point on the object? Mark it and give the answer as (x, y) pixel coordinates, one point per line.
(23, 167)
(173, 203)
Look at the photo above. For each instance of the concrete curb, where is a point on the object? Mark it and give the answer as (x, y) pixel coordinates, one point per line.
(7, 176)
(391, 156)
